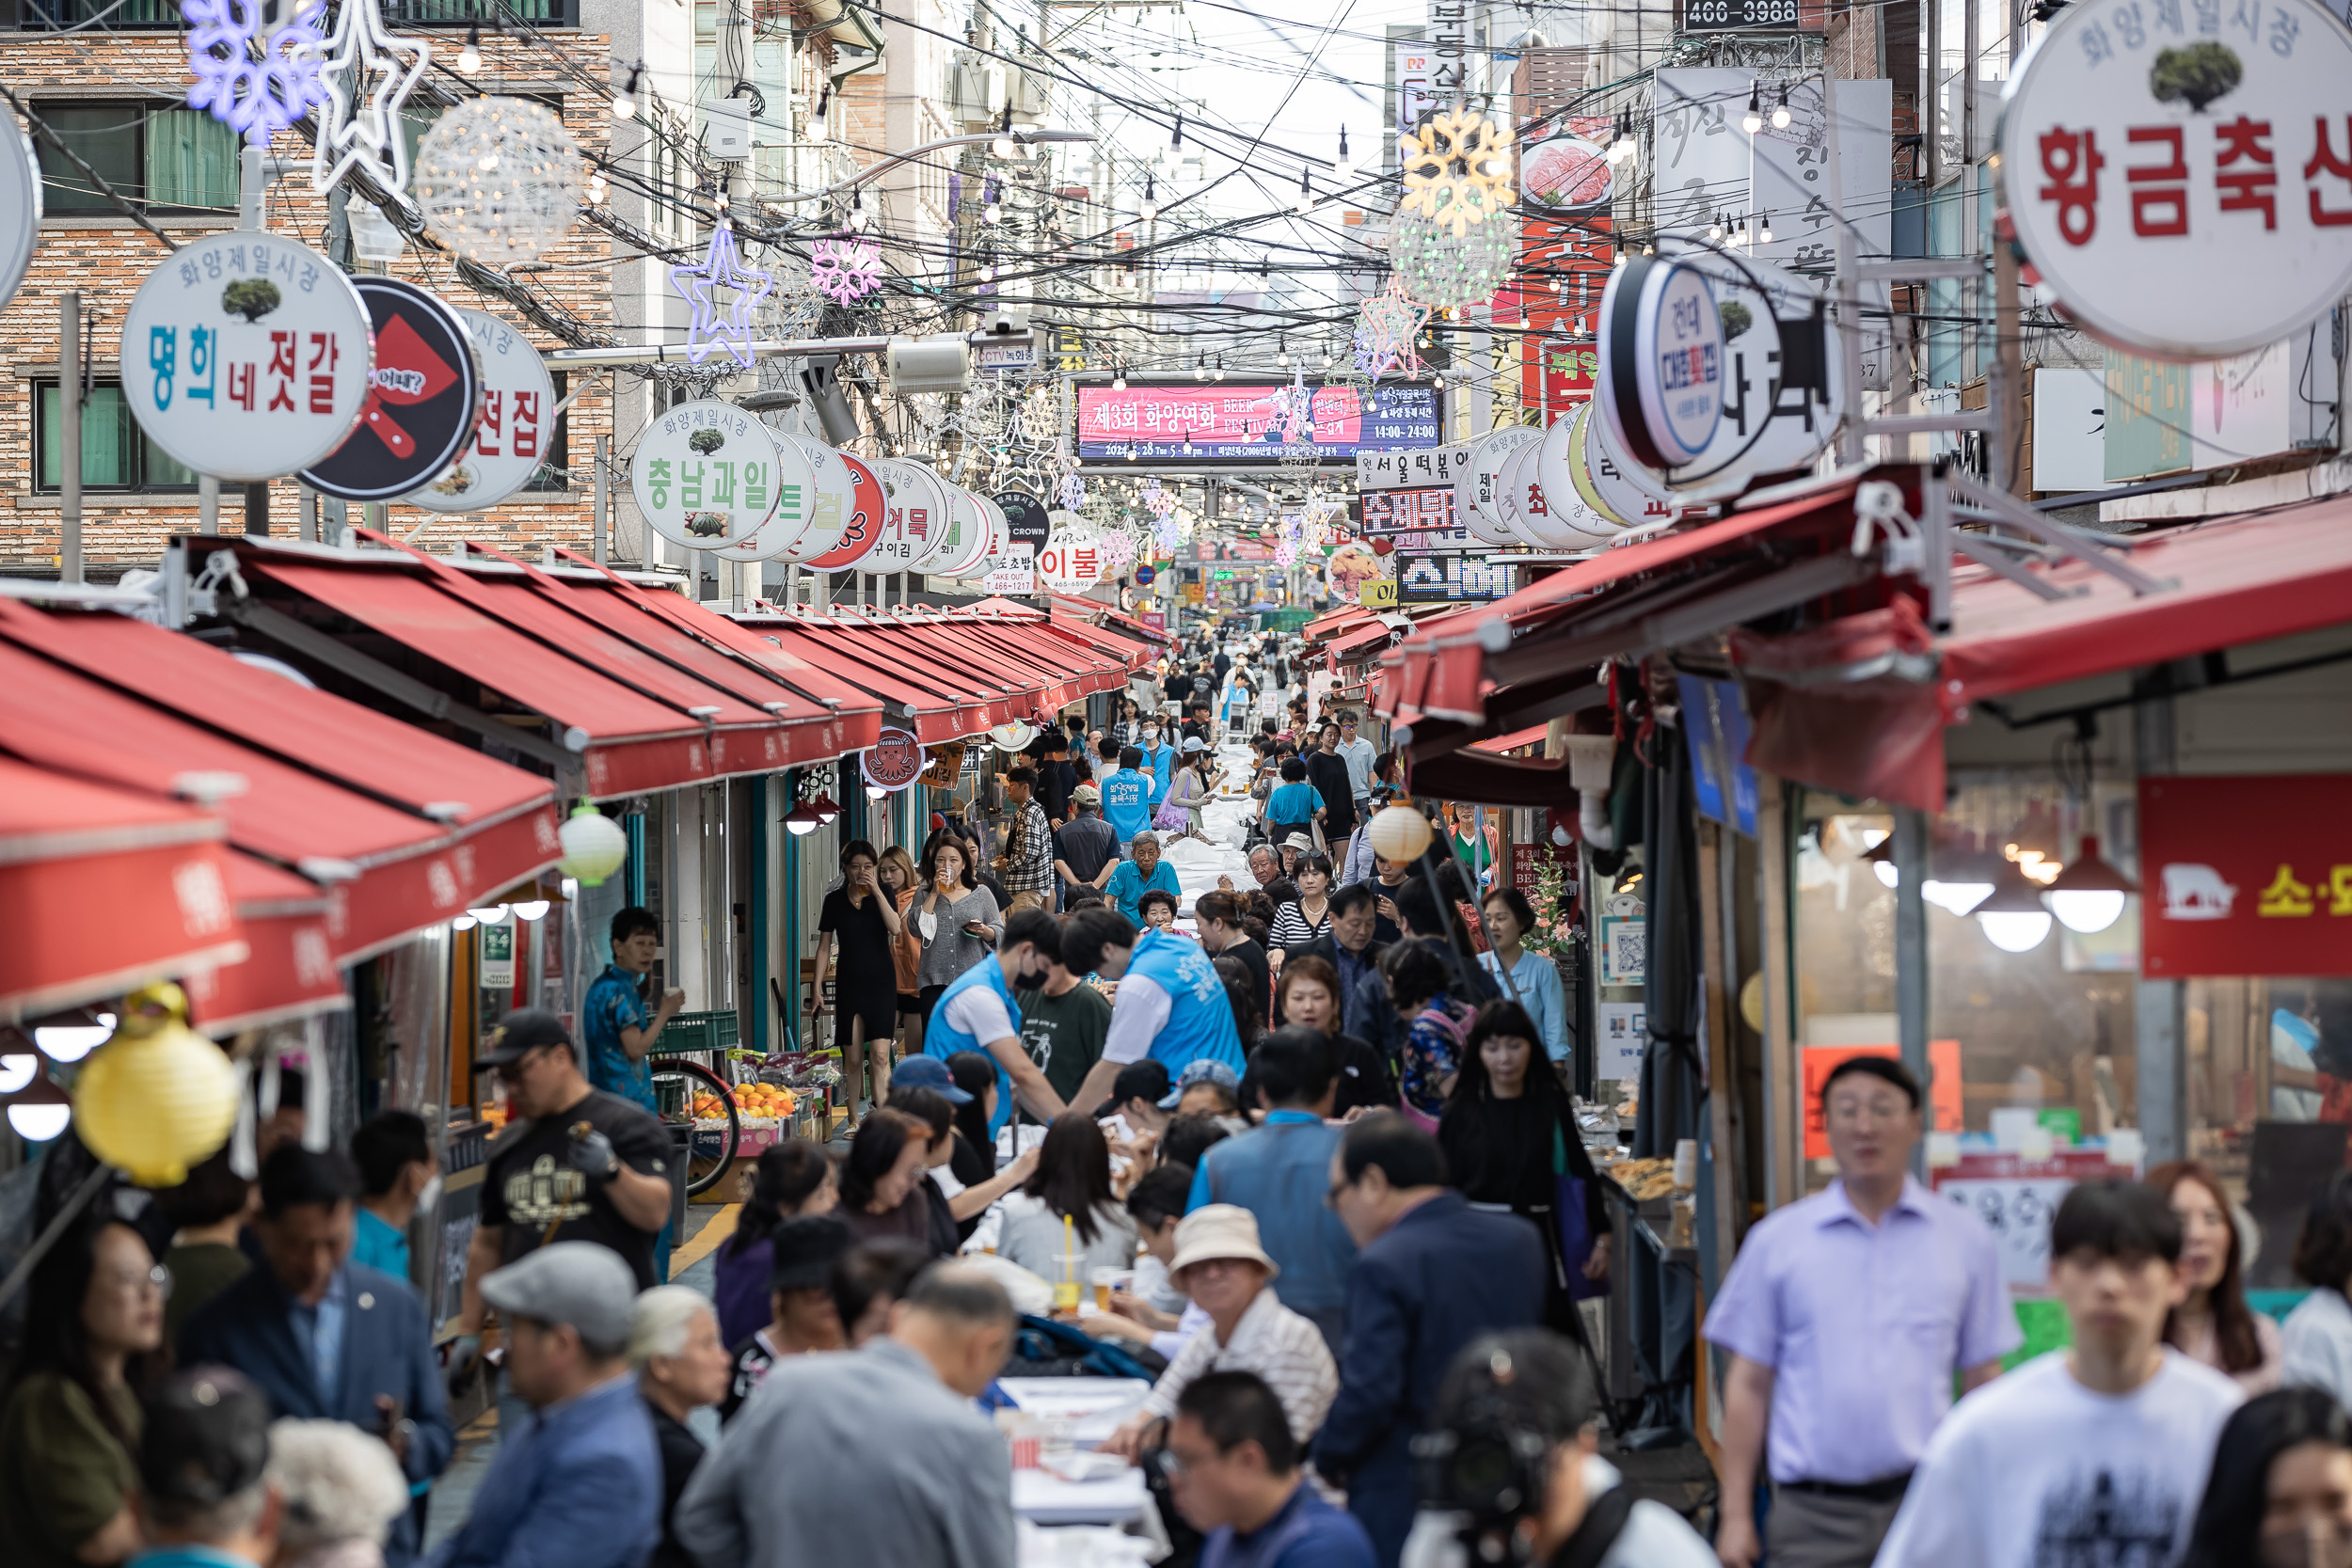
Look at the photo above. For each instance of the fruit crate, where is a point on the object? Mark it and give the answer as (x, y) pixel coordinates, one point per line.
(687, 1032)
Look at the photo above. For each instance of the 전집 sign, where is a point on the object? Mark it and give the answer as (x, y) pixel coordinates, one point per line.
(516, 429)
(246, 356)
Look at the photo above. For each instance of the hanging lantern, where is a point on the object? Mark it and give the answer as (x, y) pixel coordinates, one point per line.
(1446, 270)
(595, 846)
(499, 180)
(1400, 834)
(159, 1097)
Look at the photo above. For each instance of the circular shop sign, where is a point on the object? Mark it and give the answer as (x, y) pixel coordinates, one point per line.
(517, 424)
(894, 761)
(855, 524)
(915, 518)
(1026, 515)
(1071, 561)
(704, 474)
(971, 539)
(1574, 525)
(19, 209)
(425, 398)
(1795, 425)
(789, 524)
(245, 356)
(1478, 494)
(1662, 362)
(2181, 178)
(1519, 493)
(1635, 496)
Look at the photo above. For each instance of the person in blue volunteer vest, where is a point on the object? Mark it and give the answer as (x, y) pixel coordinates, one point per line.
(1170, 1005)
(1127, 798)
(978, 1013)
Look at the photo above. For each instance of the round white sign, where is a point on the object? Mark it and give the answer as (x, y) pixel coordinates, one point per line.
(974, 535)
(1572, 524)
(914, 510)
(1662, 362)
(1765, 429)
(1632, 493)
(1517, 491)
(1071, 561)
(1477, 495)
(246, 356)
(704, 474)
(796, 484)
(2181, 175)
(19, 209)
(846, 516)
(516, 430)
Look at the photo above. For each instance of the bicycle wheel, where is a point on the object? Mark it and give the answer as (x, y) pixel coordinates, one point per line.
(688, 1079)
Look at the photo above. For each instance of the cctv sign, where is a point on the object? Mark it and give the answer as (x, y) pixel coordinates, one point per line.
(2246, 876)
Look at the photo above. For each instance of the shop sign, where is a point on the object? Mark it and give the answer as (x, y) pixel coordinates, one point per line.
(845, 519)
(1155, 619)
(1192, 594)
(1223, 423)
(894, 761)
(498, 956)
(1624, 1030)
(2179, 176)
(946, 766)
(1378, 593)
(1013, 573)
(246, 356)
(1944, 1093)
(1568, 521)
(1661, 360)
(425, 397)
(1715, 726)
(19, 209)
(787, 528)
(1347, 570)
(1428, 512)
(518, 424)
(1072, 561)
(704, 474)
(1400, 471)
(1478, 494)
(2016, 1197)
(1444, 579)
(914, 515)
(2246, 876)
(1615, 486)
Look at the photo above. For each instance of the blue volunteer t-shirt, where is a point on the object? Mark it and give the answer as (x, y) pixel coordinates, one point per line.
(1293, 803)
(1126, 805)
(942, 1039)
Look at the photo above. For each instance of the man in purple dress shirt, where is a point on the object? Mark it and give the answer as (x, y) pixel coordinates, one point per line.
(1847, 1316)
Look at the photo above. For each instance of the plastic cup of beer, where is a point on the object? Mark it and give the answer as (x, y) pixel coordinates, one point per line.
(1105, 1280)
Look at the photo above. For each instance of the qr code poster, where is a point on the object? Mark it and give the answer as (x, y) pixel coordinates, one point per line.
(1624, 950)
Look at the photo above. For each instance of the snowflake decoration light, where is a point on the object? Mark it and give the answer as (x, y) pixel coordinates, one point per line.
(845, 271)
(364, 61)
(1386, 325)
(1447, 270)
(1459, 174)
(1119, 548)
(1073, 492)
(255, 98)
(719, 270)
(499, 180)
(1040, 415)
(1156, 500)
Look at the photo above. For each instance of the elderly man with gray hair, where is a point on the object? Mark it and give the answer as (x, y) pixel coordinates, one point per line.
(342, 1490)
(872, 1456)
(682, 1364)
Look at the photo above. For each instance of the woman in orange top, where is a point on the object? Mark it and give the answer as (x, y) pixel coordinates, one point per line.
(898, 880)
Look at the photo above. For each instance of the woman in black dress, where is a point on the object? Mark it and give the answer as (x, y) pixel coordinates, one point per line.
(1509, 1134)
(860, 922)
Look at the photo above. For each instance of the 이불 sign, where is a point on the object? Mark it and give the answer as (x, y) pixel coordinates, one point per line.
(1072, 561)
(516, 428)
(894, 761)
(246, 356)
(2245, 876)
(704, 474)
(2179, 176)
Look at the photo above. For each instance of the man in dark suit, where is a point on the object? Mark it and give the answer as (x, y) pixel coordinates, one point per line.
(325, 1338)
(1351, 949)
(1431, 1274)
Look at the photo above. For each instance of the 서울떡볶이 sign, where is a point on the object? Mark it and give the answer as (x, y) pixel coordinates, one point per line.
(2245, 876)
(704, 474)
(894, 761)
(425, 397)
(246, 356)
(516, 428)
(2180, 171)
(1396, 470)
(1224, 424)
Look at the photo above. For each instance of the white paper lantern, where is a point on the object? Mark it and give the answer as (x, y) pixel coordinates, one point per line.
(595, 846)
(1400, 834)
(499, 180)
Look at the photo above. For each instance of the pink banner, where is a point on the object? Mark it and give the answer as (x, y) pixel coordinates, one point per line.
(1215, 413)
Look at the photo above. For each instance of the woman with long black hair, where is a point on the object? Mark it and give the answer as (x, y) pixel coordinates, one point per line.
(1068, 1205)
(2280, 1492)
(792, 1178)
(1509, 1135)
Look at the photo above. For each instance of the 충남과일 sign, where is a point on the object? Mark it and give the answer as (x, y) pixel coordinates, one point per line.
(2180, 171)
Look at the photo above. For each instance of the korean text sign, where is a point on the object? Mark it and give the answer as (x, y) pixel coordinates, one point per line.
(2246, 876)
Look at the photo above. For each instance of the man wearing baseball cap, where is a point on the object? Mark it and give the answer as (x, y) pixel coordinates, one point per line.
(576, 1164)
(580, 1478)
(1085, 844)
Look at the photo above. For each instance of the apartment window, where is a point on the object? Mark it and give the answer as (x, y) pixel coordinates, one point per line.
(162, 159)
(554, 468)
(115, 453)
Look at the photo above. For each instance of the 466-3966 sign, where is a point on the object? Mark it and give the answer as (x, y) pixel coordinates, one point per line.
(2180, 171)
(1740, 16)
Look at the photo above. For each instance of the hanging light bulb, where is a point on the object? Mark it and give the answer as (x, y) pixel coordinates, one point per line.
(1002, 145)
(1220, 367)
(470, 57)
(802, 820)
(1200, 370)
(1283, 352)
(39, 1110)
(1131, 451)
(1441, 384)
(532, 909)
(1739, 232)
(1752, 121)
(988, 275)
(875, 792)
(1344, 164)
(1780, 110)
(1764, 231)
(68, 1043)
(1306, 193)
(2013, 917)
(816, 118)
(17, 1070)
(624, 101)
(857, 211)
(2088, 897)
(1715, 229)
(1119, 381)
(825, 808)
(1175, 152)
(1151, 200)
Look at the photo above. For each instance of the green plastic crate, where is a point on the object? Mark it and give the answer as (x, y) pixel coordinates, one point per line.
(699, 1032)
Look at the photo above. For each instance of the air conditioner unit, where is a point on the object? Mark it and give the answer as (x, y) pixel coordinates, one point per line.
(727, 130)
(939, 364)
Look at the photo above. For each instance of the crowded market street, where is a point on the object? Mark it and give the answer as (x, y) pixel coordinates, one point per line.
(1170, 785)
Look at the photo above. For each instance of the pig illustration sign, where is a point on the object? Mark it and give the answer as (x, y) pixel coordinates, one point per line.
(2246, 876)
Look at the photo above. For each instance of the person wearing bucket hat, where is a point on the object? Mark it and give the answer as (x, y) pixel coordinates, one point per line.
(799, 1297)
(1219, 1264)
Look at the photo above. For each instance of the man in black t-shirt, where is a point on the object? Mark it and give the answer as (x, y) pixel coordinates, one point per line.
(584, 1167)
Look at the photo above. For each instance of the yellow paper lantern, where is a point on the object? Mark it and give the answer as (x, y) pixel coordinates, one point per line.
(1400, 834)
(158, 1097)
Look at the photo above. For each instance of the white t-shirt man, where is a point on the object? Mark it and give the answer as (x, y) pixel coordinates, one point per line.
(2034, 1470)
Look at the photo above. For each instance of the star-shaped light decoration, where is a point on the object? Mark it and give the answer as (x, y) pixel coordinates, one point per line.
(359, 52)
(1386, 325)
(709, 330)
(255, 97)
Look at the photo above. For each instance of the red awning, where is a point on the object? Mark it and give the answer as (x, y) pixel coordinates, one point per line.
(1088, 609)
(291, 972)
(1446, 670)
(105, 888)
(1023, 687)
(1860, 704)
(1372, 636)
(1331, 623)
(391, 871)
(933, 716)
(976, 705)
(1132, 654)
(1531, 736)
